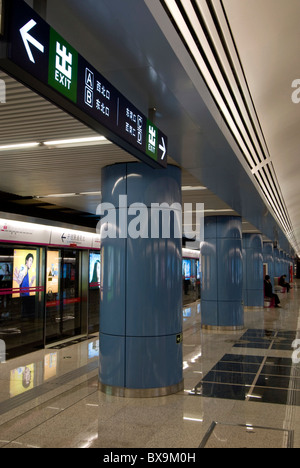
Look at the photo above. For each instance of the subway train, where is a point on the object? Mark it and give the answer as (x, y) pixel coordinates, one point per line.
(50, 282)
(191, 276)
(49, 285)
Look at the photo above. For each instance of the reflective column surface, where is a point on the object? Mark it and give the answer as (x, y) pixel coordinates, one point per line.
(242, 389)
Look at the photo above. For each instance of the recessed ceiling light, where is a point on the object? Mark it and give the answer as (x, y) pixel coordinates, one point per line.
(18, 146)
(69, 143)
(189, 188)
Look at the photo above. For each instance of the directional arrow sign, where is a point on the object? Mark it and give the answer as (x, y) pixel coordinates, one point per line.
(163, 149)
(63, 237)
(34, 53)
(28, 39)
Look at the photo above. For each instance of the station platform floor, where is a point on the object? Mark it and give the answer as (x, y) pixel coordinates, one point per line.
(242, 389)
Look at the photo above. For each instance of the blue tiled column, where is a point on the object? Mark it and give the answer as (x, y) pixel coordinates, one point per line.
(281, 263)
(268, 251)
(222, 271)
(286, 266)
(141, 297)
(277, 263)
(253, 289)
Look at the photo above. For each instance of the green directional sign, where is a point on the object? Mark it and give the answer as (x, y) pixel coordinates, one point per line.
(34, 53)
(63, 66)
(152, 140)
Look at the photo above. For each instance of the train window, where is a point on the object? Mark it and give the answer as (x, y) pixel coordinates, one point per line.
(21, 318)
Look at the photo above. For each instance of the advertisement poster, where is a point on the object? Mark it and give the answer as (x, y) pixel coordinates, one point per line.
(50, 366)
(24, 273)
(5, 272)
(95, 270)
(21, 380)
(52, 271)
(186, 269)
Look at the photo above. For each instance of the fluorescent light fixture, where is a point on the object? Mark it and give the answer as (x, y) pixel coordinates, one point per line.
(58, 195)
(90, 141)
(19, 146)
(189, 188)
(67, 195)
(226, 103)
(70, 143)
(192, 419)
(89, 194)
(227, 210)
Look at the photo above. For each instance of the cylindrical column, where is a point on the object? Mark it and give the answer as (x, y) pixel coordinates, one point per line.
(141, 299)
(281, 263)
(268, 251)
(277, 263)
(222, 272)
(253, 289)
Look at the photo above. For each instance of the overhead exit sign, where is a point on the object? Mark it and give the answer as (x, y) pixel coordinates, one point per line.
(34, 53)
(63, 66)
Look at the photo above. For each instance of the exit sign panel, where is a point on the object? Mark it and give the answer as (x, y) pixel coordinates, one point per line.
(39, 50)
(63, 66)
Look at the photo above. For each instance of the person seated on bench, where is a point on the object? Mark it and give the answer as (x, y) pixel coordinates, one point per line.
(269, 291)
(282, 282)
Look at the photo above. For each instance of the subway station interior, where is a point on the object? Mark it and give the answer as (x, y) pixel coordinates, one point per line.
(149, 224)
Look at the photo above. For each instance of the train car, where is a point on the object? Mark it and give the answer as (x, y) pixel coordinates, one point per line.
(50, 280)
(191, 275)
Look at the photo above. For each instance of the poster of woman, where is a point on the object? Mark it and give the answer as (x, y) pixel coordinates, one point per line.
(95, 270)
(24, 273)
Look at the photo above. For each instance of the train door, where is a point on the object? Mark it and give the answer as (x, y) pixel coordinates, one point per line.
(21, 299)
(63, 296)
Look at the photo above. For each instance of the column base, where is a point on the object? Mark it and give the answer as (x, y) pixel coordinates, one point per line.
(216, 328)
(141, 392)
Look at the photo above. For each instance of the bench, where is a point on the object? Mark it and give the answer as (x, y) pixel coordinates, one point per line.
(277, 287)
(269, 302)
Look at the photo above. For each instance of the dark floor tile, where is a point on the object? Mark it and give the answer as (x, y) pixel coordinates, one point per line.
(242, 367)
(255, 339)
(242, 359)
(279, 361)
(269, 395)
(283, 346)
(232, 392)
(282, 371)
(253, 345)
(259, 333)
(273, 381)
(230, 378)
(287, 334)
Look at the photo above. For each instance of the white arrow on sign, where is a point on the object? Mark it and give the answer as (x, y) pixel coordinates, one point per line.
(27, 38)
(163, 149)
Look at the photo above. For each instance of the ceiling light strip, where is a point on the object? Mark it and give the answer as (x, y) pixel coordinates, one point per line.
(220, 13)
(226, 64)
(199, 23)
(274, 207)
(75, 141)
(272, 196)
(212, 32)
(219, 77)
(202, 67)
(273, 176)
(17, 146)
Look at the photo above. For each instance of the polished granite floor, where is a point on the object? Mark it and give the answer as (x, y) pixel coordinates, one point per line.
(242, 389)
